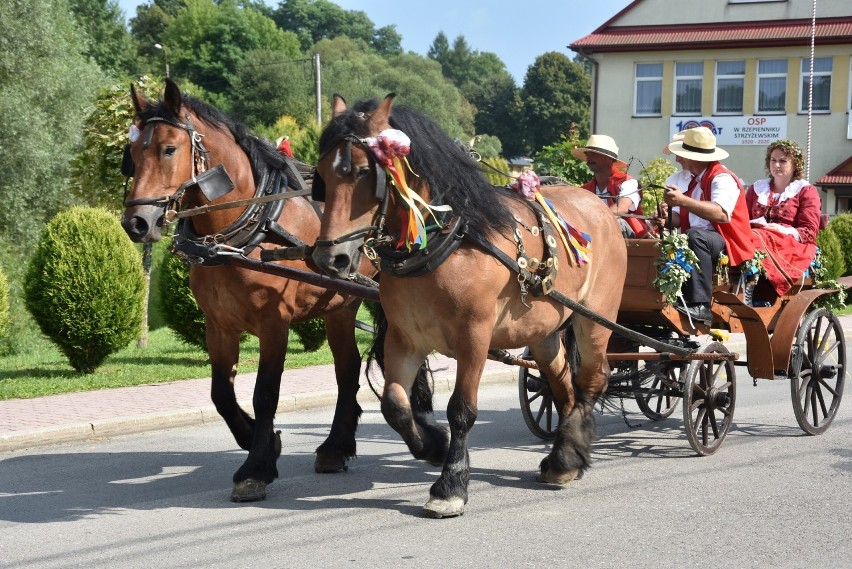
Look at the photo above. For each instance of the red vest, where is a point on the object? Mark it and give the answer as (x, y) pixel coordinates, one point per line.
(737, 232)
(616, 178)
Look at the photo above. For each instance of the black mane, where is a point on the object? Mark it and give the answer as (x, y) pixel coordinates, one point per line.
(262, 155)
(454, 178)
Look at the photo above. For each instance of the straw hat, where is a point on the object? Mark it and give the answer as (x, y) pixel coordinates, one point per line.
(698, 144)
(675, 138)
(599, 144)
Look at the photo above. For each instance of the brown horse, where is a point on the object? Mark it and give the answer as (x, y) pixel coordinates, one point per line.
(474, 286)
(176, 139)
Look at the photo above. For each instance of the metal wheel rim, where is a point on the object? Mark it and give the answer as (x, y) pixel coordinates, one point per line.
(537, 406)
(709, 398)
(818, 371)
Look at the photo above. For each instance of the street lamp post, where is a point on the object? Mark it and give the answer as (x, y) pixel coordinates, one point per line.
(165, 56)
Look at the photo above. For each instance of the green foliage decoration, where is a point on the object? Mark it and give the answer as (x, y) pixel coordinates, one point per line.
(557, 160)
(177, 303)
(84, 286)
(311, 333)
(841, 225)
(675, 263)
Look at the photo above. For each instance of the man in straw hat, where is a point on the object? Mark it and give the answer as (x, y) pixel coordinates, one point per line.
(711, 211)
(619, 190)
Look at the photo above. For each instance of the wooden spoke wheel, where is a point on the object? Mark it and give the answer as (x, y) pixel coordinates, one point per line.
(818, 370)
(658, 395)
(709, 396)
(537, 404)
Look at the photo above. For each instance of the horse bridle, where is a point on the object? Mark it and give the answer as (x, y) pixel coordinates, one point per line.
(213, 182)
(381, 193)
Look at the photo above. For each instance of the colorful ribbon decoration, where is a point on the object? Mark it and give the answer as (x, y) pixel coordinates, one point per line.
(576, 242)
(390, 148)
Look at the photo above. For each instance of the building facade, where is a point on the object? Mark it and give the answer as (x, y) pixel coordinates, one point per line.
(747, 69)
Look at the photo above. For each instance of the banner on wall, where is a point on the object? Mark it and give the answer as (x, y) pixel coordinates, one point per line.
(747, 130)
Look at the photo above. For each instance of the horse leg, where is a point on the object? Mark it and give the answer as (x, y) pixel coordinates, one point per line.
(333, 453)
(259, 469)
(576, 397)
(448, 495)
(404, 371)
(223, 347)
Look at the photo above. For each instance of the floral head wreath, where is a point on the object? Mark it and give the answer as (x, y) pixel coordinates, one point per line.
(790, 148)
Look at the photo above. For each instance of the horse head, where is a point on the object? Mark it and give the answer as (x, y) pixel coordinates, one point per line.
(180, 160)
(352, 182)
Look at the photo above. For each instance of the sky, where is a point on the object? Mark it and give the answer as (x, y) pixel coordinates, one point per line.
(517, 31)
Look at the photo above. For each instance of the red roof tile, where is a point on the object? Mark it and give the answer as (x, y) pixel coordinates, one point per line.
(702, 36)
(839, 175)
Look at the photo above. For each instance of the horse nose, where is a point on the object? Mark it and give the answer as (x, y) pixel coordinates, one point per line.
(335, 265)
(142, 230)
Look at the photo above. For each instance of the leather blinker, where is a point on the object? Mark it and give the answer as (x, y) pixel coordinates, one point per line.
(214, 183)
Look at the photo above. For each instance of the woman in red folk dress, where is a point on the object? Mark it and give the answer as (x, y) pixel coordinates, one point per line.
(785, 215)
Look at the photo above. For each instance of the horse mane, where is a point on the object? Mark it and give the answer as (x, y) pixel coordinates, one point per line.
(261, 153)
(454, 178)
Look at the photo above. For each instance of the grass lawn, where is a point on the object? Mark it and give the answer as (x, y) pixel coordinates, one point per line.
(43, 370)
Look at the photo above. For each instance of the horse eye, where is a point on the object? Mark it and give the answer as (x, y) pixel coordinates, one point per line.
(363, 172)
(170, 151)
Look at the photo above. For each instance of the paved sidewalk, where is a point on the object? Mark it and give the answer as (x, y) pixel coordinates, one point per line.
(89, 415)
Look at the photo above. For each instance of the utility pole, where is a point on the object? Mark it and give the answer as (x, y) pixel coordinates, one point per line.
(318, 88)
(165, 56)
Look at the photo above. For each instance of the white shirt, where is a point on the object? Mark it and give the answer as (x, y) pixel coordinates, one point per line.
(628, 189)
(723, 191)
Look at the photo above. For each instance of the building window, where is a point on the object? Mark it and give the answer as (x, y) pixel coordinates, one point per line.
(730, 79)
(688, 80)
(648, 89)
(822, 84)
(772, 86)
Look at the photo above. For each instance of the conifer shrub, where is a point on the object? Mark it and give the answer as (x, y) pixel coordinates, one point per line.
(177, 304)
(311, 333)
(831, 254)
(841, 225)
(5, 318)
(84, 286)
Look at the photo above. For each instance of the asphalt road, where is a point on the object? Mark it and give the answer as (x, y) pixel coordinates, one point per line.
(771, 497)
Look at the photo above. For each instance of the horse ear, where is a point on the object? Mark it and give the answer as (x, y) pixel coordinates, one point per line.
(139, 103)
(172, 98)
(339, 105)
(381, 116)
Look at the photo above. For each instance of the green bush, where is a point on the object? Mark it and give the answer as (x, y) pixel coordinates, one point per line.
(311, 333)
(831, 255)
(654, 174)
(841, 225)
(84, 286)
(178, 307)
(557, 160)
(492, 167)
(5, 319)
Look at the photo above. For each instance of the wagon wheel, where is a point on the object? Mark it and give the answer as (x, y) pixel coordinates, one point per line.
(537, 404)
(708, 401)
(658, 395)
(818, 370)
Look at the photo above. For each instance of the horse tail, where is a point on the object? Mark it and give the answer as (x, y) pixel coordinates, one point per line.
(424, 384)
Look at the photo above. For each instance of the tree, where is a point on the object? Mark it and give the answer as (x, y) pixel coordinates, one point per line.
(45, 86)
(207, 43)
(96, 177)
(270, 84)
(108, 41)
(315, 20)
(556, 94)
(499, 112)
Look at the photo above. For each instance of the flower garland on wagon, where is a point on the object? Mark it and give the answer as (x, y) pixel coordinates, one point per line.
(674, 264)
(390, 148)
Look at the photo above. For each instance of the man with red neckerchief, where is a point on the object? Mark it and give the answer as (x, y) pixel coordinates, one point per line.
(619, 190)
(711, 211)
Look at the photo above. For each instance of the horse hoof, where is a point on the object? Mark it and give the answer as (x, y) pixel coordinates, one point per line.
(558, 478)
(327, 465)
(437, 509)
(248, 491)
